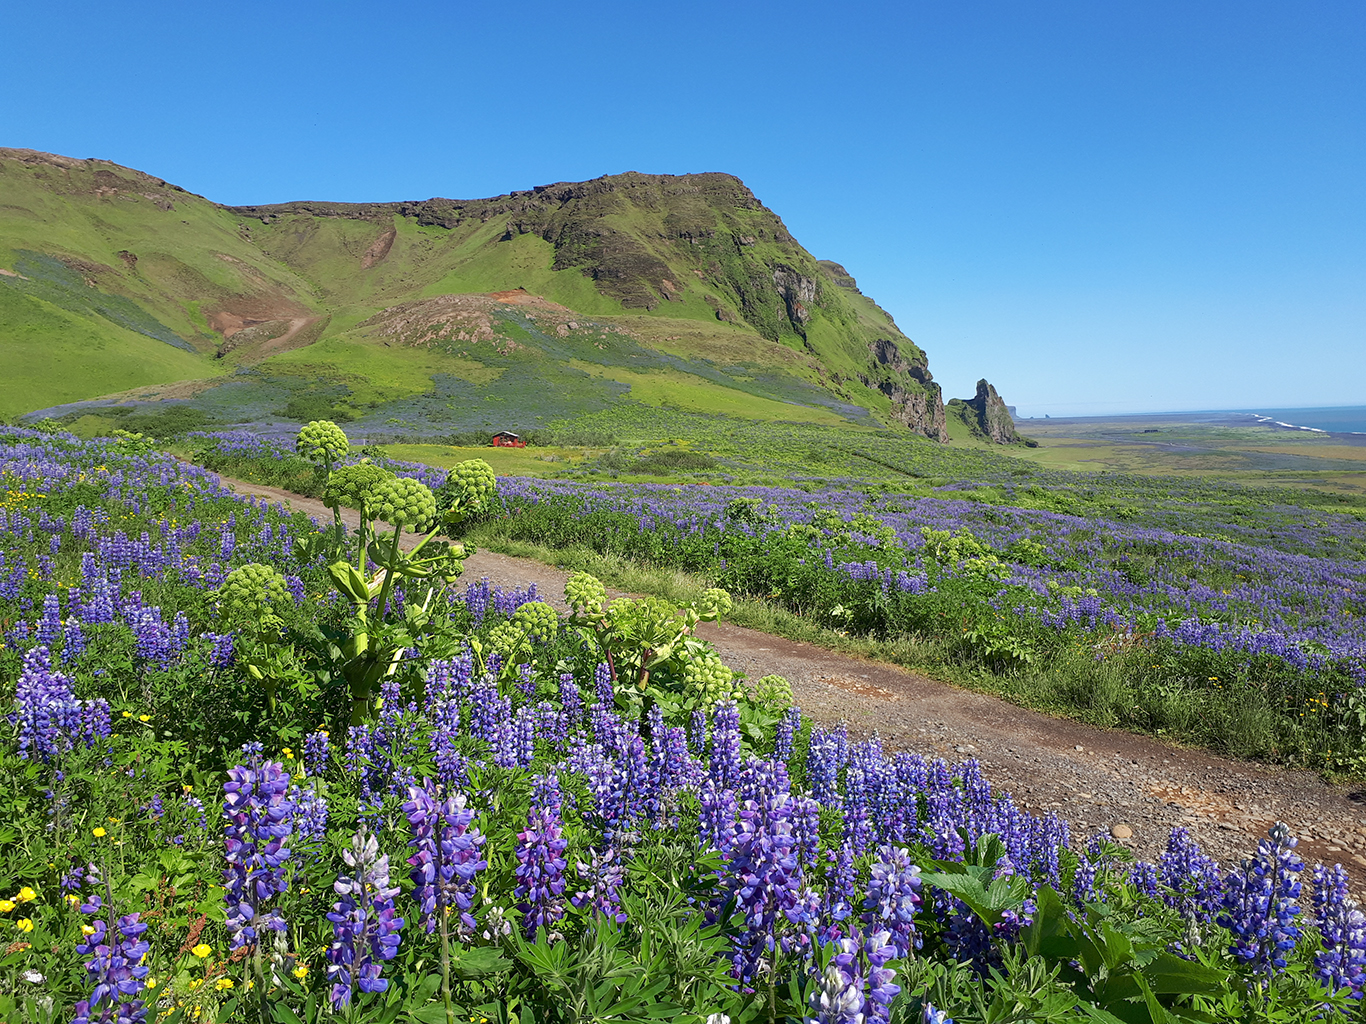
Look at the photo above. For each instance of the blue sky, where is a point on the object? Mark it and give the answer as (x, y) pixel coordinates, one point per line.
(1101, 206)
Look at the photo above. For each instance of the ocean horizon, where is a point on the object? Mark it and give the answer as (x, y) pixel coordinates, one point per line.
(1341, 419)
(1336, 419)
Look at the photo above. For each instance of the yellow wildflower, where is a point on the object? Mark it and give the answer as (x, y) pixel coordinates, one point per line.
(6, 906)
(26, 894)
(223, 984)
(301, 971)
(24, 924)
(87, 929)
(98, 833)
(144, 718)
(202, 950)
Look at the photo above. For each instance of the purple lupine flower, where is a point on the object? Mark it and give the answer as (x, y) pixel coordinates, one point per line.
(604, 875)
(115, 966)
(725, 744)
(49, 627)
(446, 858)
(1191, 878)
(540, 868)
(221, 652)
(1342, 932)
(259, 819)
(697, 732)
(786, 729)
(73, 640)
(838, 998)
(602, 683)
(932, 1016)
(1259, 903)
(1084, 881)
(571, 700)
(1144, 878)
(310, 814)
(317, 751)
(764, 878)
(365, 925)
(893, 898)
(49, 718)
(717, 820)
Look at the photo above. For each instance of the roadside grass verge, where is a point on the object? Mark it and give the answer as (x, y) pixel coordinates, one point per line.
(1119, 691)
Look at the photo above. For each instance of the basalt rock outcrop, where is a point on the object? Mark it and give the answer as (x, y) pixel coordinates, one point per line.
(987, 414)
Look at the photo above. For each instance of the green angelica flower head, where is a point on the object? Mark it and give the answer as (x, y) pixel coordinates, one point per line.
(714, 604)
(708, 677)
(773, 693)
(469, 486)
(322, 441)
(354, 486)
(537, 619)
(251, 593)
(585, 594)
(402, 501)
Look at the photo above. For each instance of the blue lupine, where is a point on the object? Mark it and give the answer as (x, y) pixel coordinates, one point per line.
(365, 926)
(446, 855)
(259, 818)
(1259, 903)
(540, 866)
(893, 899)
(1341, 963)
(116, 950)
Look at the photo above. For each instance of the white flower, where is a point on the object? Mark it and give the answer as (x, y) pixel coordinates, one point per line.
(34, 978)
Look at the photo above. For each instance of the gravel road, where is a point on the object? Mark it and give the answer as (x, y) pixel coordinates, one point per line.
(1133, 787)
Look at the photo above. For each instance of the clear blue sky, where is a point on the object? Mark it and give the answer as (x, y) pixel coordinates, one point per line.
(1100, 206)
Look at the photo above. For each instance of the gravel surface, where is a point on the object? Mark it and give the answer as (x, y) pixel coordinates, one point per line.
(1134, 788)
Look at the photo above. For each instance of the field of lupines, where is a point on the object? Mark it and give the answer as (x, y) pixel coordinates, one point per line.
(256, 769)
(1216, 614)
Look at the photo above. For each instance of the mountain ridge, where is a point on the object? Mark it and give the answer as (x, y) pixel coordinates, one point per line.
(692, 249)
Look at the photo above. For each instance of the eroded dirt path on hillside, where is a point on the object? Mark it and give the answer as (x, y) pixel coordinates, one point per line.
(1098, 779)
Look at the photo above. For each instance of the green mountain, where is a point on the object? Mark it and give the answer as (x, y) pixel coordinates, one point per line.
(435, 316)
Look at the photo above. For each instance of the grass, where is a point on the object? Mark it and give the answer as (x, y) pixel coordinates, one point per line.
(53, 356)
(679, 390)
(537, 461)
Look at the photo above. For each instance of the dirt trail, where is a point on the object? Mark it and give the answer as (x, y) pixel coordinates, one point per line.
(1098, 779)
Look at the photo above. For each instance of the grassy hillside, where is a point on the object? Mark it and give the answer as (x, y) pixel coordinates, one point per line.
(675, 292)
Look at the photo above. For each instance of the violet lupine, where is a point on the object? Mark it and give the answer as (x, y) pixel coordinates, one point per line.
(602, 683)
(1259, 903)
(1342, 932)
(764, 878)
(259, 819)
(540, 866)
(49, 718)
(571, 700)
(365, 925)
(787, 728)
(724, 764)
(1191, 878)
(317, 750)
(893, 899)
(446, 855)
(116, 949)
(838, 998)
(856, 986)
(604, 875)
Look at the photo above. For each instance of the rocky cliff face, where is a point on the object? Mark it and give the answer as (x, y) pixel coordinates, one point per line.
(988, 414)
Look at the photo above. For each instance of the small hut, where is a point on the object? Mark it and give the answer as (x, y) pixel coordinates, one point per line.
(507, 439)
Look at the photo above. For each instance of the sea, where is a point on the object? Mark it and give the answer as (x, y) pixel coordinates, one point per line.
(1342, 419)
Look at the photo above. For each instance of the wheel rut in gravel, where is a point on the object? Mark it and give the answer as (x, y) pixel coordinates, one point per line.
(1133, 787)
